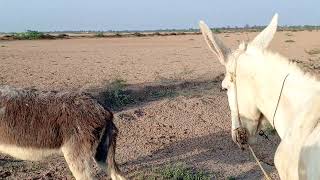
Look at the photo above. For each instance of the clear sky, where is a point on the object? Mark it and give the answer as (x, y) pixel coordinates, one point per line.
(45, 15)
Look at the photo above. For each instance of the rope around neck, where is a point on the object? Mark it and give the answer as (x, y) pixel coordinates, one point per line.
(275, 111)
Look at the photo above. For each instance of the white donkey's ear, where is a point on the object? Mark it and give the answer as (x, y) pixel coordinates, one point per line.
(264, 38)
(214, 43)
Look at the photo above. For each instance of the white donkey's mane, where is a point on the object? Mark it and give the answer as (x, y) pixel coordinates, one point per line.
(274, 59)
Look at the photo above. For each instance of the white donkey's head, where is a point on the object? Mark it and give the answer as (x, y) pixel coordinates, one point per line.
(238, 80)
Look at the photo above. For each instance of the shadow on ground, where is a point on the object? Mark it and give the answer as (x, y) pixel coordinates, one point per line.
(119, 96)
(212, 150)
(215, 149)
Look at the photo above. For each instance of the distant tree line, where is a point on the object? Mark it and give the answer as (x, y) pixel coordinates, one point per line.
(220, 29)
(33, 33)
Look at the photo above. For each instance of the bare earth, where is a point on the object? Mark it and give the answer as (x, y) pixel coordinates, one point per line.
(182, 115)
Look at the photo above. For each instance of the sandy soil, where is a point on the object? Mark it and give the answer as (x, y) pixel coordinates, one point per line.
(190, 124)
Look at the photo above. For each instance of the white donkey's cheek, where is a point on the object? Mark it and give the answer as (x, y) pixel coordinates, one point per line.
(233, 109)
(231, 100)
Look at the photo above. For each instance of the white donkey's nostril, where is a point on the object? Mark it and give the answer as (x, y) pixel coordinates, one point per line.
(224, 85)
(223, 89)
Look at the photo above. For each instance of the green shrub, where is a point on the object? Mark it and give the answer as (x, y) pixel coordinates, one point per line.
(29, 35)
(181, 172)
(217, 31)
(116, 94)
(99, 34)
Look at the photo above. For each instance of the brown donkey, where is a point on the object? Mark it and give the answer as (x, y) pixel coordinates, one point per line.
(35, 124)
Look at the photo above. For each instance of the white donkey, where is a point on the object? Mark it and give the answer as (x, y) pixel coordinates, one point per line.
(265, 86)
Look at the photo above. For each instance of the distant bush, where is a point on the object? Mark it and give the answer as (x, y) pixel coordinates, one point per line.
(62, 35)
(8, 36)
(217, 31)
(31, 35)
(99, 34)
(289, 41)
(115, 35)
(289, 34)
(181, 33)
(313, 51)
(137, 34)
(156, 34)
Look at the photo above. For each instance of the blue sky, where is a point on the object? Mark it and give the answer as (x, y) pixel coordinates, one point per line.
(45, 15)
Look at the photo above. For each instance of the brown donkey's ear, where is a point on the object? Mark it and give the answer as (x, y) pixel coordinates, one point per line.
(216, 46)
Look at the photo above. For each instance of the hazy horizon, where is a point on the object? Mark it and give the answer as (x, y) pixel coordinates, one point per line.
(99, 15)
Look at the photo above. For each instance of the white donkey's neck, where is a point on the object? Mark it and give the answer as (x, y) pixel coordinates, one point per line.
(270, 71)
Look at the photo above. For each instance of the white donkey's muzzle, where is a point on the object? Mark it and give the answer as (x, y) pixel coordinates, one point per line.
(241, 137)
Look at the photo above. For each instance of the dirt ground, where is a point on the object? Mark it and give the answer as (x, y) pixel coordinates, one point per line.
(181, 115)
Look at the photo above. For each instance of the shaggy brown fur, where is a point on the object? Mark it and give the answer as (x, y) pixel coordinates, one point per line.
(47, 119)
(53, 120)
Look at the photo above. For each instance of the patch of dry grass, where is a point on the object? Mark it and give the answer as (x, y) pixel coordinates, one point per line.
(289, 34)
(313, 51)
(176, 172)
(289, 41)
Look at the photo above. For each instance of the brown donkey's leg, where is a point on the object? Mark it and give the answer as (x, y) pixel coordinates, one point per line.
(79, 159)
(105, 155)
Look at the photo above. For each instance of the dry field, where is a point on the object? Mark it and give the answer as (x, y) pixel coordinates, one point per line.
(171, 108)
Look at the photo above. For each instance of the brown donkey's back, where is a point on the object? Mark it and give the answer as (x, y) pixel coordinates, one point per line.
(34, 124)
